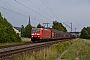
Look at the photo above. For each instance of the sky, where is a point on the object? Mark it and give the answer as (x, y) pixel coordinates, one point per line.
(77, 12)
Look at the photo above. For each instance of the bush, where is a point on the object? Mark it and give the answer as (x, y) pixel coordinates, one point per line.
(7, 33)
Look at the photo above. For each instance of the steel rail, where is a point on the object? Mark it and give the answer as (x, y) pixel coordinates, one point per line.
(5, 52)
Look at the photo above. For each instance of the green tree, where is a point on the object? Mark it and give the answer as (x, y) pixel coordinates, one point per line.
(39, 26)
(27, 31)
(85, 33)
(58, 26)
(7, 33)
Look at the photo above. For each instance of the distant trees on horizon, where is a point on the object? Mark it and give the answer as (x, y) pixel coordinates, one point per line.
(85, 33)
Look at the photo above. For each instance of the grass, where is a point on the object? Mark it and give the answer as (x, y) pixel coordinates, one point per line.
(84, 54)
(71, 54)
(85, 50)
(46, 54)
(24, 40)
(5, 44)
(56, 50)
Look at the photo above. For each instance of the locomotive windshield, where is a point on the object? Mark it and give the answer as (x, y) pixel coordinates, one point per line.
(36, 30)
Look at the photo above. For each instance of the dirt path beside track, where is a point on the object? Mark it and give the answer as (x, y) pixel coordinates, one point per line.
(62, 55)
(60, 58)
(77, 57)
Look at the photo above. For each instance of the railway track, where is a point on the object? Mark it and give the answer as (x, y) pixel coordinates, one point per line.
(7, 51)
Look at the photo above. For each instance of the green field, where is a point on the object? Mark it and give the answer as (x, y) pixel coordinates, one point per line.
(76, 49)
(24, 40)
(79, 50)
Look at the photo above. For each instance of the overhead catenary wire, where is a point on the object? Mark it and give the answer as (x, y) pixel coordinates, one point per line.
(31, 9)
(39, 8)
(13, 6)
(45, 4)
(48, 6)
(51, 10)
(37, 19)
(12, 10)
(18, 12)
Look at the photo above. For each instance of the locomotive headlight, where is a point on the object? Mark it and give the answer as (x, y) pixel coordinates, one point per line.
(32, 36)
(38, 34)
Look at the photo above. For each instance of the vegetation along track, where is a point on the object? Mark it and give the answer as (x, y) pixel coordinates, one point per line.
(6, 51)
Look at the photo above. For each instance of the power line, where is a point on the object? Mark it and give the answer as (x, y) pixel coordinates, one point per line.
(13, 6)
(36, 20)
(69, 26)
(50, 9)
(12, 10)
(32, 10)
(19, 10)
(48, 4)
(45, 5)
(17, 13)
(39, 8)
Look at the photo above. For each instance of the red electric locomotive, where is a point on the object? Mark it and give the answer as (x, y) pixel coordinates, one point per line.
(41, 34)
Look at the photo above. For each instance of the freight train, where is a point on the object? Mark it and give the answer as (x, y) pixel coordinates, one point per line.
(46, 34)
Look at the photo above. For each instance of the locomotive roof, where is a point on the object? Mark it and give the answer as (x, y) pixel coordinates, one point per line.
(37, 28)
(58, 31)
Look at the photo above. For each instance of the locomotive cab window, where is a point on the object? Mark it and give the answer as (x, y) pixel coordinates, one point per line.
(37, 30)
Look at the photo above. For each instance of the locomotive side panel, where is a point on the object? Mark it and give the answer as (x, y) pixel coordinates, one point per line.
(46, 34)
